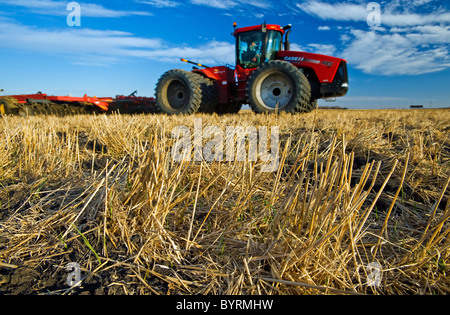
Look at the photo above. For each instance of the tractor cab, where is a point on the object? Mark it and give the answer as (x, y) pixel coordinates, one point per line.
(257, 45)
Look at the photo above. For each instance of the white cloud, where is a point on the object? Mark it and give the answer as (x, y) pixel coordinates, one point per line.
(323, 28)
(337, 12)
(428, 34)
(395, 54)
(394, 13)
(420, 2)
(297, 47)
(213, 53)
(104, 47)
(234, 4)
(323, 49)
(161, 3)
(37, 4)
(413, 39)
(84, 40)
(414, 19)
(262, 4)
(95, 10)
(219, 4)
(52, 7)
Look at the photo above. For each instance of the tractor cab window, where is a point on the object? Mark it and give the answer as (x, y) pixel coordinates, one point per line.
(253, 50)
(249, 48)
(274, 42)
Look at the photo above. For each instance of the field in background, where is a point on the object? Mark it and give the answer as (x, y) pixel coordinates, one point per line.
(353, 190)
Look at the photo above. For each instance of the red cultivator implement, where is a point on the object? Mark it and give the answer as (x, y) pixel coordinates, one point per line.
(43, 104)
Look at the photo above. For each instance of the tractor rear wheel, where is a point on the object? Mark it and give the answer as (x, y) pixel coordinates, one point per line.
(209, 95)
(278, 86)
(178, 92)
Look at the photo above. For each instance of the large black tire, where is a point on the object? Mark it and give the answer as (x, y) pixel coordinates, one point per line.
(209, 94)
(178, 92)
(278, 86)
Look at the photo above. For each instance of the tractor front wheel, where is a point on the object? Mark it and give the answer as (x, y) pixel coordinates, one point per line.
(278, 86)
(178, 92)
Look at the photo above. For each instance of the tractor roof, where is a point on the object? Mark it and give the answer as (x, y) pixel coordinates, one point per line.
(270, 27)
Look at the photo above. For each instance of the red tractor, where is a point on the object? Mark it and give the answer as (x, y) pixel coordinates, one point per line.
(268, 76)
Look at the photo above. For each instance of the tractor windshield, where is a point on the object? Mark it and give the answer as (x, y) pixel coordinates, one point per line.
(253, 49)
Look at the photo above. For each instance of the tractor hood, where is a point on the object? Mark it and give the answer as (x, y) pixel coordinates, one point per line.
(325, 66)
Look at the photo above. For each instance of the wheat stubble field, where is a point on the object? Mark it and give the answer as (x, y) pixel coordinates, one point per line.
(353, 190)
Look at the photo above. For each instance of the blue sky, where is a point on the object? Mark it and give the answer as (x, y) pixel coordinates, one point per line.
(122, 46)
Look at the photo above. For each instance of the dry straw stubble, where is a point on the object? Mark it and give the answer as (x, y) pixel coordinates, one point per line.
(352, 188)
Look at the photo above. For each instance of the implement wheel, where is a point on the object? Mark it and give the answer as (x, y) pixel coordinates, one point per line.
(7, 106)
